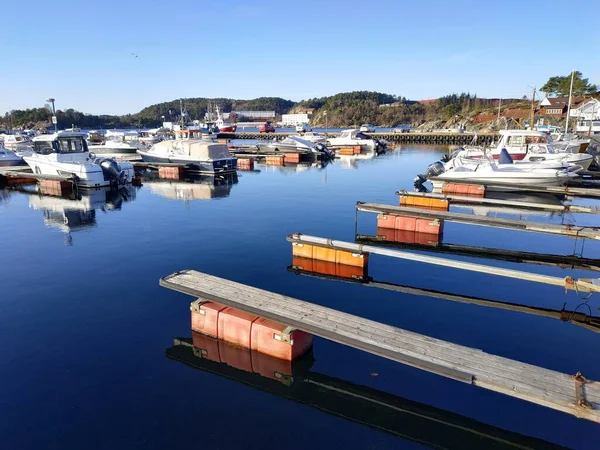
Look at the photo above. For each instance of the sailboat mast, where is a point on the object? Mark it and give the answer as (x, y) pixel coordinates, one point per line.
(569, 104)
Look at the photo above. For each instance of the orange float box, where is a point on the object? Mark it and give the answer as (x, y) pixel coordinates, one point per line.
(246, 330)
(278, 341)
(293, 158)
(414, 224)
(328, 254)
(235, 326)
(424, 203)
(469, 190)
(205, 317)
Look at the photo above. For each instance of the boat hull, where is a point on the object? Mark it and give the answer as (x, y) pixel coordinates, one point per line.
(228, 129)
(216, 166)
(103, 149)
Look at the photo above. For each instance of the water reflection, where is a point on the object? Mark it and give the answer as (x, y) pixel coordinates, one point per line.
(199, 187)
(352, 161)
(403, 418)
(295, 167)
(70, 215)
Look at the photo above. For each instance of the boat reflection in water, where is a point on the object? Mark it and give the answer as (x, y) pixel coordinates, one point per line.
(295, 167)
(352, 161)
(69, 215)
(198, 187)
(385, 412)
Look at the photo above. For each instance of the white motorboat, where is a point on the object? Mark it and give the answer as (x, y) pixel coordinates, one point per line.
(9, 158)
(16, 142)
(313, 137)
(349, 138)
(118, 142)
(198, 154)
(295, 144)
(529, 147)
(569, 143)
(486, 171)
(66, 154)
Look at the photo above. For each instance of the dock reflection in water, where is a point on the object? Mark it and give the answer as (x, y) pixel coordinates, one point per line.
(385, 412)
(198, 187)
(70, 215)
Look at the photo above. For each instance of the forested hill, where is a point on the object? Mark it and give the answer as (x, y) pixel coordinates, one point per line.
(340, 110)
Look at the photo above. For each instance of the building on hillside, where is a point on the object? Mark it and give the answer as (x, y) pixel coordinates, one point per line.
(295, 119)
(431, 101)
(254, 115)
(516, 114)
(588, 109)
(557, 106)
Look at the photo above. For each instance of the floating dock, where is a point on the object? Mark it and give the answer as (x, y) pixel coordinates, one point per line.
(326, 246)
(567, 393)
(401, 211)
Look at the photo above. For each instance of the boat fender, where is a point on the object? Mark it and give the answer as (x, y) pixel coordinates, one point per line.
(504, 157)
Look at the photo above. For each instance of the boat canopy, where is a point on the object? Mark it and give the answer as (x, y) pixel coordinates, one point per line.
(195, 148)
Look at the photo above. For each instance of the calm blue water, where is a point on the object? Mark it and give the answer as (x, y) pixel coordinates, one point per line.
(85, 326)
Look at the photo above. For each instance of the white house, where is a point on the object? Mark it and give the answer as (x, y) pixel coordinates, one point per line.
(587, 110)
(295, 119)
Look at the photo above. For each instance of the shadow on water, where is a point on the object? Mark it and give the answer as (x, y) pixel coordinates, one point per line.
(397, 416)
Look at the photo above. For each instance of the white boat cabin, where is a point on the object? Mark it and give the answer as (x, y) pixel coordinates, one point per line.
(61, 142)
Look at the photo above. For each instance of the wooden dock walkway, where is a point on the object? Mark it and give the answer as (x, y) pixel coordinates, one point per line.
(470, 219)
(562, 392)
(589, 322)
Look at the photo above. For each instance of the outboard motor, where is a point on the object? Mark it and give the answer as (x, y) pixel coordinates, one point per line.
(433, 170)
(504, 157)
(111, 170)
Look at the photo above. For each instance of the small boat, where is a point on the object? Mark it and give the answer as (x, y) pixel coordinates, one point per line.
(295, 144)
(66, 154)
(486, 171)
(16, 142)
(9, 158)
(224, 126)
(353, 137)
(313, 137)
(118, 142)
(199, 155)
(529, 146)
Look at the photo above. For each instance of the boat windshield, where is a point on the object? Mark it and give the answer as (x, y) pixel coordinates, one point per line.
(361, 135)
(71, 145)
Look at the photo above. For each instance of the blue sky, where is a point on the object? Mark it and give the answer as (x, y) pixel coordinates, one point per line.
(82, 55)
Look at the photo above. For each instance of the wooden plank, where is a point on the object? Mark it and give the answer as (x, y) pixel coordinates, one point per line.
(535, 384)
(583, 320)
(470, 219)
(497, 202)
